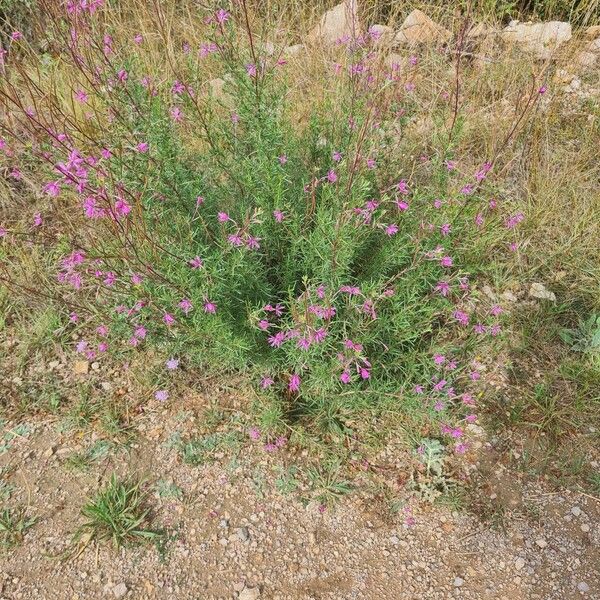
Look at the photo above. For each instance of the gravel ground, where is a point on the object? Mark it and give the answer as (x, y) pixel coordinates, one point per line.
(234, 535)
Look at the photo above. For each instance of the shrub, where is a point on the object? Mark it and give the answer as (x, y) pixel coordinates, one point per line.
(308, 244)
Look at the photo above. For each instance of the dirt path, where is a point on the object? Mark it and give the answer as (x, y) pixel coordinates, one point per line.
(234, 534)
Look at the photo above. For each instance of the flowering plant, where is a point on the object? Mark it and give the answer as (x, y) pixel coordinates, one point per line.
(319, 256)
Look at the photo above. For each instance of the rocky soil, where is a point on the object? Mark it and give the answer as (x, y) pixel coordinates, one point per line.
(234, 532)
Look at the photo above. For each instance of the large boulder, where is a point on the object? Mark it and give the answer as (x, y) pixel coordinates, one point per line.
(339, 23)
(541, 39)
(418, 28)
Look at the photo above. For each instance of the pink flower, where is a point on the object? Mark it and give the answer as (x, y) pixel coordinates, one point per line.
(391, 230)
(102, 330)
(402, 187)
(461, 317)
(253, 242)
(222, 16)
(278, 215)
(210, 307)
(446, 261)
(37, 220)
(140, 332)
(401, 205)
(142, 147)
(176, 114)
(303, 343)
(122, 208)
(467, 399)
(251, 69)
(196, 262)
(254, 433)
(443, 288)
(283, 159)
(345, 377)
(223, 217)
(332, 176)
(172, 364)
(439, 359)
(275, 341)
(294, 383)
(185, 305)
(162, 395)
(337, 156)
(266, 382)
(136, 279)
(138, 39)
(81, 96)
(168, 319)
(235, 240)
(440, 385)
(16, 35)
(122, 75)
(496, 310)
(52, 188)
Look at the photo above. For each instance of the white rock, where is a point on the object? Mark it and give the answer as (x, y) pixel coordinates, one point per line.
(418, 28)
(458, 582)
(576, 511)
(541, 543)
(519, 563)
(583, 587)
(339, 22)
(249, 594)
(542, 39)
(119, 590)
(538, 290)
